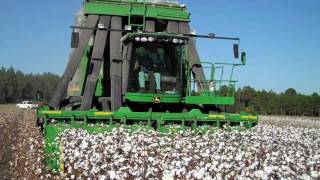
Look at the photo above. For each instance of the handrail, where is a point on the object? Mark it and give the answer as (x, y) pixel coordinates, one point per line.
(214, 81)
(214, 66)
(134, 3)
(144, 15)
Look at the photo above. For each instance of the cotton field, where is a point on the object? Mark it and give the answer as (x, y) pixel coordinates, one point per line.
(280, 147)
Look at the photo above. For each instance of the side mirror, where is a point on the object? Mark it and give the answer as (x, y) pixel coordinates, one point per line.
(75, 40)
(236, 51)
(243, 58)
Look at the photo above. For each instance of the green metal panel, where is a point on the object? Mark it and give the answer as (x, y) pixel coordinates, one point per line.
(100, 87)
(84, 68)
(76, 86)
(153, 98)
(125, 113)
(217, 100)
(116, 8)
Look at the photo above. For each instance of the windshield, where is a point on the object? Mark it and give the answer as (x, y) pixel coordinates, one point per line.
(156, 67)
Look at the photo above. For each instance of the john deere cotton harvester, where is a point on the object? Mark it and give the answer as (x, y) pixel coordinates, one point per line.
(134, 63)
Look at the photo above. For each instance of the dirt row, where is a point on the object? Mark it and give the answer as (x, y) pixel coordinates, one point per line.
(21, 152)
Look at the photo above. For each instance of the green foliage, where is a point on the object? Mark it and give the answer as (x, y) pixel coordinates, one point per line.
(16, 86)
(288, 103)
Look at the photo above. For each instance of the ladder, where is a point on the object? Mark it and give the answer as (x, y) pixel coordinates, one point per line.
(133, 14)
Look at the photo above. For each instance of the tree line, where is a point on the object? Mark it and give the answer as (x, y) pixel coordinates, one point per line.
(289, 103)
(16, 86)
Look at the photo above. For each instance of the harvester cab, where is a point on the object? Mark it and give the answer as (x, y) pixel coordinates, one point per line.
(156, 63)
(135, 64)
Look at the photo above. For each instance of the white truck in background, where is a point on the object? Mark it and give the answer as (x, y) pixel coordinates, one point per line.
(26, 105)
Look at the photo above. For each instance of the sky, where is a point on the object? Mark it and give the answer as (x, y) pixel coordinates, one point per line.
(281, 38)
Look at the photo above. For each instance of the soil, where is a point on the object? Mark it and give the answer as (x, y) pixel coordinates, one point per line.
(21, 142)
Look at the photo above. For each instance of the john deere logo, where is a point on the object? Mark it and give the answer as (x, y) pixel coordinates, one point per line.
(157, 99)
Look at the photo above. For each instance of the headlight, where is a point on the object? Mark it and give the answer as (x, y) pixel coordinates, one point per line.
(101, 26)
(175, 41)
(151, 39)
(181, 41)
(137, 39)
(144, 39)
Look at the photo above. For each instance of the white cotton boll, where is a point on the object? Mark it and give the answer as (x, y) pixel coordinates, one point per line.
(85, 173)
(268, 170)
(103, 177)
(260, 174)
(84, 145)
(121, 160)
(112, 174)
(305, 176)
(198, 175)
(315, 174)
(168, 175)
(127, 147)
(69, 170)
(150, 159)
(227, 166)
(219, 176)
(178, 164)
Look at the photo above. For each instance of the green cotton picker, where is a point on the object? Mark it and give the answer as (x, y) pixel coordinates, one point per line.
(134, 64)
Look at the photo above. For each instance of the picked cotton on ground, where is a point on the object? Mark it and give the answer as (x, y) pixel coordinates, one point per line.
(268, 150)
(21, 145)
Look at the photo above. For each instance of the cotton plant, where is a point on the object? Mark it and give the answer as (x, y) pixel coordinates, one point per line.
(273, 149)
